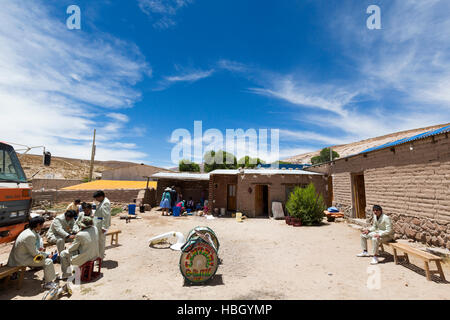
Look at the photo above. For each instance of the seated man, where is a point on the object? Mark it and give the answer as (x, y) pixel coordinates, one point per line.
(87, 212)
(83, 249)
(75, 206)
(25, 251)
(380, 232)
(61, 230)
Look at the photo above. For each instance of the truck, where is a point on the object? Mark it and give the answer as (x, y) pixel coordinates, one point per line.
(15, 194)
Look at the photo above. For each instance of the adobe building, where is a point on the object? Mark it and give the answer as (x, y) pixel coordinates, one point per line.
(250, 191)
(195, 185)
(409, 178)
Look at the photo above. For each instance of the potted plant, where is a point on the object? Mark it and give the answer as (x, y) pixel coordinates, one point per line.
(306, 206)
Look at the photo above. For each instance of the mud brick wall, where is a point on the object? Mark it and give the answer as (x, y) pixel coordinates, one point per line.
(219, 190)
(116, 195)
(47, 184)
(411, 182)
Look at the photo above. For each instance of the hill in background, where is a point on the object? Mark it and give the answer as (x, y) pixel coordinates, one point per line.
(66, 168)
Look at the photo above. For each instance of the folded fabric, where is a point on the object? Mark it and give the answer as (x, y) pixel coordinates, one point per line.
(333, 209)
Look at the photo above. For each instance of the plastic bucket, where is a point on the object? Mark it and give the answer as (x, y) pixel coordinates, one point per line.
(176, 211)
(132, 209)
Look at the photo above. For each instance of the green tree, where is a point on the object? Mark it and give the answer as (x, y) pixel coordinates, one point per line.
(219, 160)
(188, 166)
(306, 204)
(249, 162)
(324, 156)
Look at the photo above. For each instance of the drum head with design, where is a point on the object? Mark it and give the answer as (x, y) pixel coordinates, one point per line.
(205, 230)
(198, 261)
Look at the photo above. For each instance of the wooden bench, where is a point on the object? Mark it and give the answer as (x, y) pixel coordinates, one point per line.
(114, 236)
(425, 256)
(7, 272)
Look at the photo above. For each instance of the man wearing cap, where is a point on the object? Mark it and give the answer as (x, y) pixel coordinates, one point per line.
(87, 212)
(380, 232)
(84, 248)
(61, 230)
(26, 253)
(102, 220)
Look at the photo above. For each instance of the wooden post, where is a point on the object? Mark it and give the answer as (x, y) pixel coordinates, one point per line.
(91, 167)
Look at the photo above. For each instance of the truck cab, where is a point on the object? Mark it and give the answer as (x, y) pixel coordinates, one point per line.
(15, 195)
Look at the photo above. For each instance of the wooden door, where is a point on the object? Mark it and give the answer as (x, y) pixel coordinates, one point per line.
(359, 196)
(231, 197)
(261, 200)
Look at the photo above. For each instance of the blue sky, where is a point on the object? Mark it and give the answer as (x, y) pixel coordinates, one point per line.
(139, 69)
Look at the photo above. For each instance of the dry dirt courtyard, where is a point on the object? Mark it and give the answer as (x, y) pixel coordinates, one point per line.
(261, 259)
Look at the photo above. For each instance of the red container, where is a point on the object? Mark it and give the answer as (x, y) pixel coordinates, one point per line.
(296, 222)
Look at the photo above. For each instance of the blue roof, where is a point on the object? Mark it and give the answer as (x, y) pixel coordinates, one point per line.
(413, 138)
(283, 166)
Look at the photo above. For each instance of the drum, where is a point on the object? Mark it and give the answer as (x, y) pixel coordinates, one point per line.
(204, 231)
(198, 261)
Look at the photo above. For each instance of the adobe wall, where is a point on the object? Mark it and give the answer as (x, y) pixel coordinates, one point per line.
(116, 195)
(412, 186)
(46, 184)
(218, 192)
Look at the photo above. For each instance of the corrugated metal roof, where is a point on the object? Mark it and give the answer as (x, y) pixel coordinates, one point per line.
(410, 139)
(181, 176)
(260, 171)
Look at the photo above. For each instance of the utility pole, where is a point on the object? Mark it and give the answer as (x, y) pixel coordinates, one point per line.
(91, 168)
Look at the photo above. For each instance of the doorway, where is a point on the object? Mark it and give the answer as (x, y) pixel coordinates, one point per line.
(262, 200)
(359, 196)
(231, 197)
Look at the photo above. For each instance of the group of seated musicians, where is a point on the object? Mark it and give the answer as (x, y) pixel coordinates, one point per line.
(77, 229)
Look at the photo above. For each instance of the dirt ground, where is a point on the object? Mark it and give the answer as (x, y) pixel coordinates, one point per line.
(261, 259)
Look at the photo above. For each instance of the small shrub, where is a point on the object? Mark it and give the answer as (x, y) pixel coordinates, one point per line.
(115, 211)
(306, 204)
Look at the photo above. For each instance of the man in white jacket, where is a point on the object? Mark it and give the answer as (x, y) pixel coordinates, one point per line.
(26, 253)
(61, 230)
(102, 220)
(84, 248)
(380, 232)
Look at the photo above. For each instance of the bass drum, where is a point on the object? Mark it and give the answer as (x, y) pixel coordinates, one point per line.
(198, 261)
(205, 230)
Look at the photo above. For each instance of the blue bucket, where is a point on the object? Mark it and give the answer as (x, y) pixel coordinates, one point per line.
(132, 209)
(176, 211)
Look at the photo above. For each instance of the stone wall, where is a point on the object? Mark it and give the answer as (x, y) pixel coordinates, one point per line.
(411, 182)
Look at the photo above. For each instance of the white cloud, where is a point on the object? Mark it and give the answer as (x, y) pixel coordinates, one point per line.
(57, 85)
(190, 77)
(401, 73)
(163, 11)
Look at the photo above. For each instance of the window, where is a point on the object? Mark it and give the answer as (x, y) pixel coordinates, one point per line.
(10, 168)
